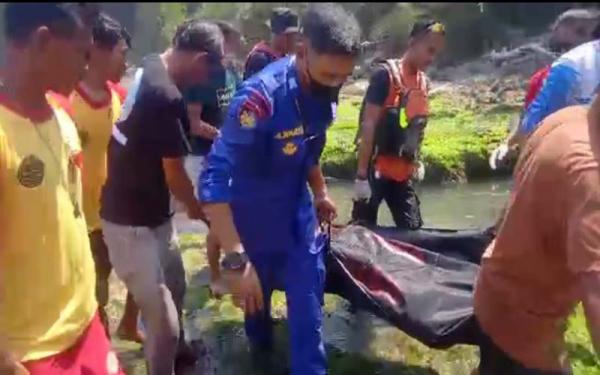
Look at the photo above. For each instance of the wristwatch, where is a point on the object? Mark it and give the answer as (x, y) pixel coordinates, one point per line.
(234, 261)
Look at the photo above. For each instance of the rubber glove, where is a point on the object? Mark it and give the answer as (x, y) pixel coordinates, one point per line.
(419, 173)
(362, 190)
(498, 156)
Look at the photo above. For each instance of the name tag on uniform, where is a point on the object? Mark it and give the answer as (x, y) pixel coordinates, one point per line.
(298, 131)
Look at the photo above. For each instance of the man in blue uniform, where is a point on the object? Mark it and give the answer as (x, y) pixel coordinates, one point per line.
(255, 185)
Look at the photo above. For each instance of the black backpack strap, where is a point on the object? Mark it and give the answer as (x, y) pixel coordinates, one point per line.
(392, 66)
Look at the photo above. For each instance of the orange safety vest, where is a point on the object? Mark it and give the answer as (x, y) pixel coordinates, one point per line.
(401, 106)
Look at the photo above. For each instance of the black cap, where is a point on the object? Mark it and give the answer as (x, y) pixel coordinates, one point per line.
(283, 20)
(427, 26)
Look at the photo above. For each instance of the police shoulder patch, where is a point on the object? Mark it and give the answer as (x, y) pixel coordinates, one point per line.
(254, 106)
(247, 119)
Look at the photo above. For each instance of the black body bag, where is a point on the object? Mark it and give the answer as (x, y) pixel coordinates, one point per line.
(428, 294)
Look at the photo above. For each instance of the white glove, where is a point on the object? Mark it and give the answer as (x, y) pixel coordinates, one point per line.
(419, 173)
(362, 190)
(498, 156)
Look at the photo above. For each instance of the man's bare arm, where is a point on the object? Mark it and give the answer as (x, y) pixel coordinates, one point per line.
(372, 114)
(222, 225)
(198, 127)
(515, 139)
(590, 287)
(9, 365)
(316, 180)
(181, 187)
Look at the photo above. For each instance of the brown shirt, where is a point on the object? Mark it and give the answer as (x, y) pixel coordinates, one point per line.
(527, 286)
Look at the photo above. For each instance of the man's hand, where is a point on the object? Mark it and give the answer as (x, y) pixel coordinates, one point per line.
(325, 209)
(195, 212)
(10, 366)
(499, 155)
(419, 173)
(204, 130)
(245, 289)
(198, 127)
(181, 187)
(244, 285)
(362, 189)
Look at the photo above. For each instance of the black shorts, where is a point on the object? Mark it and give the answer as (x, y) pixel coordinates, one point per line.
(494, 361)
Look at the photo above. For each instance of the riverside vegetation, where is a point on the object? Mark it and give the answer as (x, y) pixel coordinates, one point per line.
(355, 344)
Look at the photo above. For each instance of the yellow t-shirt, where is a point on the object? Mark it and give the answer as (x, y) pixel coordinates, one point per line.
(94, 122)
(47, 277)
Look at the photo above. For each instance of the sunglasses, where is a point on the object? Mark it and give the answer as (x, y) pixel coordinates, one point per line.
(437, 27)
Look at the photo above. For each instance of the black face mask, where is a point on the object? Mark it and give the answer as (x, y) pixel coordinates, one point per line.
(321, 91)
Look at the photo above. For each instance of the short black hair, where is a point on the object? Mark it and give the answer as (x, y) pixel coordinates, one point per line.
(198, 36)
(227, 29)
(62, 19)
(283, 20)
(126, 36)
(575, 14)
(331, 29)
(424, 27)
(107, 32)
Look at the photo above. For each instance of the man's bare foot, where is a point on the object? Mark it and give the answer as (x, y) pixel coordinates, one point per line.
(129, 334)
(217, 288)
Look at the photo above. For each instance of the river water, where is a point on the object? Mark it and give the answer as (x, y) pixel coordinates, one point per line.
(357, 343)
(455, 206)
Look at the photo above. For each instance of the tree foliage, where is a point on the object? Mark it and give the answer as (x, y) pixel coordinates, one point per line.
(171, 15)
(472, 27)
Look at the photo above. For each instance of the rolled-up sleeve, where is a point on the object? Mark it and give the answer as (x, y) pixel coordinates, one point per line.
(248, 111)
(554, 95)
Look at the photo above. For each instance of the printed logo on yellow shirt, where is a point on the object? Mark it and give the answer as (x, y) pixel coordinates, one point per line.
(31, 172)
(290, 148)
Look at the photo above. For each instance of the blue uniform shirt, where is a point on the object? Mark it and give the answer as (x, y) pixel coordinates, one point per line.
(574, 79)
(272, 135)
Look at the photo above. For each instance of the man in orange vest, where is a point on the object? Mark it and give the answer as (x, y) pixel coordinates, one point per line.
(284, 31)
(391, 130)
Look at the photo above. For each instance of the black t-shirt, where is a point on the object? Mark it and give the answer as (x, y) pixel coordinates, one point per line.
(256, 62)
(151, 127)
(379, 86)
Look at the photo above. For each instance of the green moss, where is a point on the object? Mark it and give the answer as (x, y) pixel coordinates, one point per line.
(458, 139)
